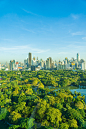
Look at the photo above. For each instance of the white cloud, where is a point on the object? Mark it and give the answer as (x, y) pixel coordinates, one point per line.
(8, 40)
(29, 12)
(63, 53)
(40, 50)
(28, 30)
(75, 16)
(84, 38)
(77, 33)
(71, 49)
(23, 49)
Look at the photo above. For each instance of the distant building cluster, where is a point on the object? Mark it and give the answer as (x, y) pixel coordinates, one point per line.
(72, 64)
(34, 64)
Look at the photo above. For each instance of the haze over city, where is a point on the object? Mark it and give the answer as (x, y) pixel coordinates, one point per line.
(45, 28)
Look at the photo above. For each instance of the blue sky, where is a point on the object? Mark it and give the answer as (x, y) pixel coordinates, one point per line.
(55, 28)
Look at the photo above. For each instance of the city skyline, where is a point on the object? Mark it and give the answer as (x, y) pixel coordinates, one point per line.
(33, 57)
(47, 29)
(35, 64)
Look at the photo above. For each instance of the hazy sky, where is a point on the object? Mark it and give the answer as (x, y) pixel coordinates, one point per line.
(55, 28)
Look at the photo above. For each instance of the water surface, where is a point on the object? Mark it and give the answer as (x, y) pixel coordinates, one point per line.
(81, 89)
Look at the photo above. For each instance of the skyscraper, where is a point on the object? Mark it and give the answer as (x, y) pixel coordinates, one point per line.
(12, 64)
(78, 57)
(30, 59)
(37, 61)
(50, 61)
(34, 58)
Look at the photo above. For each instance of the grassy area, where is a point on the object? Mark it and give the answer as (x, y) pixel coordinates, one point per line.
(3, 125)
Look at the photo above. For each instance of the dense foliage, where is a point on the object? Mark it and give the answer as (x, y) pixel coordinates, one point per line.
(26, 100)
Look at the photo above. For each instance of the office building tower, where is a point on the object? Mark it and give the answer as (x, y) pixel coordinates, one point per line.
(68, 61)
(25, 62)
(17, 64)
(65, 62)
(81, 61)
(78, 57)
(37, 61)
(72, 59)
(46, 64)
(7, 65)
(52, 65)
(33, 68)
(50, 62)
(34, 58)
(65, 58)
(62, 62)
(59, 62)
(34, 62)
(30, 59)
(12, 64)
(76, 64)
(83, 66)
(42, 64)
(67, 66)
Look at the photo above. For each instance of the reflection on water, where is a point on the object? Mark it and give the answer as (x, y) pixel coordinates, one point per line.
(81, 89)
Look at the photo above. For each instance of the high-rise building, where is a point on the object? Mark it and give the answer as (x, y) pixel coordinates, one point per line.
(12, 64)
(34, 58)
(50, 62)
(17, 64)
(65, 62)
(78, 57)
(37, 61)
(52, 65)
(83, 66)
(30, 59)
(33, 68)
(76, 64)
(25, 62)
(42, 64)
(34, 62)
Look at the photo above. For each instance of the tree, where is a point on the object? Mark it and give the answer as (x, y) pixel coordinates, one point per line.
(29, 91)
(40, 85)
(35, 82)
(3, 113)
(73, 123)
(30, 123)
(24, 123)
(45, 123)
(79, 105)
(64, 126)
(54, 116)
(13, 127)
(14, 116)
(41, 110)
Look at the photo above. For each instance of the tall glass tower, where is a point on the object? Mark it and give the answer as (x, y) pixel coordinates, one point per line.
(78, 57)
(30, 59)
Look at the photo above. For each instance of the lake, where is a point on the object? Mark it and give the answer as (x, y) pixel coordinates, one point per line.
(81, 89)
